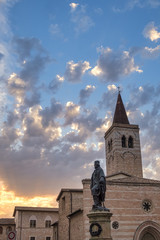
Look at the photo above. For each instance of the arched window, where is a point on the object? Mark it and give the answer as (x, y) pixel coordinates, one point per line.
(48, 222)
(123, 141)
(32, 221)
(1, 230)
(130, 142)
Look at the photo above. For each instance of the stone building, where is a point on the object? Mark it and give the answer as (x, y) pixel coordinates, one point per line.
(6, 225)
(70, 205)
(34, 223)
(133, 200)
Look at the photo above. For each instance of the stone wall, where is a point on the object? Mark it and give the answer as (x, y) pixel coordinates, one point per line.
(40, 232)
(124, 199)
(76, 226)
(5, 228)
(123, 159)
(69, 202)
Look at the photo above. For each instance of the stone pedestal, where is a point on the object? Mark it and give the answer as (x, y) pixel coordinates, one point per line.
(100, 225)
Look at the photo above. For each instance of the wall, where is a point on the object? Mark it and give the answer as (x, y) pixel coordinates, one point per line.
(4, 235)
(73, 201)
(76, 227)
(24, 232)
(125, 202)
(123, 159)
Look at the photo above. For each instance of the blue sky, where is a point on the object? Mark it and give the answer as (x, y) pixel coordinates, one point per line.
(60, 65)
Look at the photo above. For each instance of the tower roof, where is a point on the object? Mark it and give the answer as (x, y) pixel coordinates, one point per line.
(120, 115)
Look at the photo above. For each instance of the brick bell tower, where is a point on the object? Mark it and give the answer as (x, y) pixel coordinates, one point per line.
(122, 144)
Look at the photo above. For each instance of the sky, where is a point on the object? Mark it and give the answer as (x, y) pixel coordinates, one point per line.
(61, 63)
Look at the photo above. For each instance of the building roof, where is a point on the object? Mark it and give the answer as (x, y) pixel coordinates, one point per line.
(75, 212)
(68, 190)
(132, 180)
(128, 180)
(34, 209)
(7, 221)
(55, 223)
(120, 115)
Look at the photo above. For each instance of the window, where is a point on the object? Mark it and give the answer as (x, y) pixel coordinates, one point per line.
(1, 230)
(123, 141)
(115, 225)
(63, 204)
(130, 142)
(32, 224)
(48, 223)
(9, 228)
(110, 145)
(48, 238)
(32, 238)
(147, 205)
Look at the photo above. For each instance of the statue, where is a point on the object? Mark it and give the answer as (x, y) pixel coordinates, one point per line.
(98, 187)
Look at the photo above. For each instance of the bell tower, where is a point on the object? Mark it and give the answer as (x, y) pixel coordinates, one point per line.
(122, 144)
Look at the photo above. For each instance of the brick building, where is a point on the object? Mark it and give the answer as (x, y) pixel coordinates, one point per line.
(133, 200)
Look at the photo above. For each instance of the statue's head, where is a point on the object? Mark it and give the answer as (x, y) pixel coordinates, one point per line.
(96, 164)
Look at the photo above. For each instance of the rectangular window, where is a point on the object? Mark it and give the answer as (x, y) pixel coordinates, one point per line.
(32, 238)
(63, 204)
(48, 238)
(48, 224)
(32, 223)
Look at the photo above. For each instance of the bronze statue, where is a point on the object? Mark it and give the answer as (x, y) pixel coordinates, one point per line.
(98, 187)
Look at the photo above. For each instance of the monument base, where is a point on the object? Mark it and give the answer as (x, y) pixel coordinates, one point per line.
(100, 225)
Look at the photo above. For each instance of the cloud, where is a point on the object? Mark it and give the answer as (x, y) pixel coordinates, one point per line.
(71, 112)
(113, 65)
(85, 94)
(55, 30)
(50, 114)
(141, 96)
(108, 100)
(75, 71)
(25, 46)
(148, 52)
(150, 31)
(81, 20)
(55, 84)
(17, 87)
(33, 99)
(73, 6)
(99, 11)
(131, 4)
(33, 59)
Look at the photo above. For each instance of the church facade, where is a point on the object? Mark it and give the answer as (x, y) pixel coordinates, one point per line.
(133, 200)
